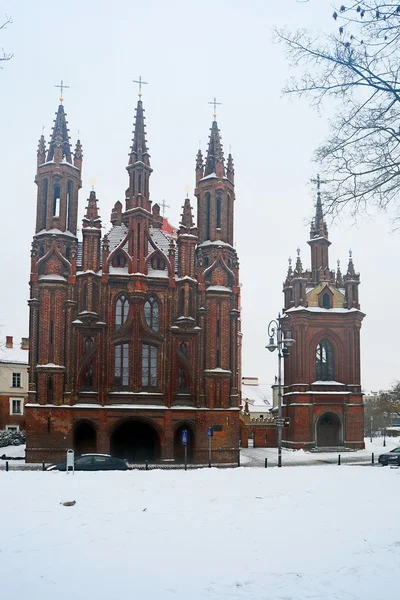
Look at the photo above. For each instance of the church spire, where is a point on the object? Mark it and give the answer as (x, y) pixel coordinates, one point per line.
(139, 145)
(59, 147)
(91, 218)
(319, 241)
(318, 225)
(215, 154)
(41, 151)
(187, 217)
(138, 193)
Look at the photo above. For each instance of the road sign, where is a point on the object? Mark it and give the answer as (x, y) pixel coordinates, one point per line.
(70, 461)
(184, 437)
(209, 432)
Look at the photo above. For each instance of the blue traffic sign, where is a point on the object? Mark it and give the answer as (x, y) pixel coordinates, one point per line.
(184, 437)
(209, 431)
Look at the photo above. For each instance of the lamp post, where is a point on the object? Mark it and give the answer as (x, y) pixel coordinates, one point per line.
(385, 415)
(278, 342)
(370, 428)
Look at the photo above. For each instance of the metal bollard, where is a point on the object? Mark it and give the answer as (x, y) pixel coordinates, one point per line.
(209, 464)
(239, 458)
(6, 465)
(338, 460)
(373, 458)
(266, 462)
(147, 465)
(43, 466)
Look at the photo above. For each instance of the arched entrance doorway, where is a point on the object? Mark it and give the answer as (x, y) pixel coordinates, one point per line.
(85, 438)
(179, 448)
(137, 441)
(328, 430)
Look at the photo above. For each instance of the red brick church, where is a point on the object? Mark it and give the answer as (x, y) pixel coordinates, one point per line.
(134, 337)
(322, 388)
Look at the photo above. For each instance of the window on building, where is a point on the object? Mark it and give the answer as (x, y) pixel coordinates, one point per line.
(218, 212)
(56, 201)
(208, 215)
(69, 200)
(84, 295)
(326, 301)
(151, 314)
(149, 366)
(15, 406)
(12, 428)
(44, 214)
(190, 303)
(183, 348)
(16, 380)
(324, 361)
(119, 260)
(182, 381)
(50, 390)
(89, 345)
(88, 381)
(181, 308)
(158, 263)
(121, 365)
(121, 311)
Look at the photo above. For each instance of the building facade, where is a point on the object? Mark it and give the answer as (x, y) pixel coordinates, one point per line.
(134, 337)
(13, 383)
(322, 388)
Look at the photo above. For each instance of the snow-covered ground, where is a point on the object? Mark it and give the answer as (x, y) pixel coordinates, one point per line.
(295, 534)
(255, 457)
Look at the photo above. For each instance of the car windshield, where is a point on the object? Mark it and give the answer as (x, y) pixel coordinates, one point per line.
(396, 449)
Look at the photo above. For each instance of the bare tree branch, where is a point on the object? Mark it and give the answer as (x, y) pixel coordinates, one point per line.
(358, 65)
(5, 56)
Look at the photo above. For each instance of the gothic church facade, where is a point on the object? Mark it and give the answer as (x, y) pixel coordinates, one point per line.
(134, 337)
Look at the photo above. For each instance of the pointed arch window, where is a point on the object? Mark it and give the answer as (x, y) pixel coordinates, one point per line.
(208, 215)
(50, 389)
(218, 211)
(119, 260)
(69, 200)
(121, 311)
(190, 303)
(149, 366)
(151, 314)
(56, 201)
(121, 365)
(324, 361)
(158, 263)
(45, 192)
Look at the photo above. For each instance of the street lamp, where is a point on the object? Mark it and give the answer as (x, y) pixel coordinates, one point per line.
(385, 416)
(370, 429)
(277, 341)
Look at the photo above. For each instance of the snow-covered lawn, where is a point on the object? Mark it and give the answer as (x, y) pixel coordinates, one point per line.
(321, 533)
(255, 457)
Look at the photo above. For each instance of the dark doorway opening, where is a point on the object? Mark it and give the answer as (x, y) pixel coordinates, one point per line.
(328, 431)
(136, 441)
(179, 448)
(85, 438)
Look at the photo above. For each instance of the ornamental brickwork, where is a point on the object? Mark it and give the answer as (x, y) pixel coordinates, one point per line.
(134, 334)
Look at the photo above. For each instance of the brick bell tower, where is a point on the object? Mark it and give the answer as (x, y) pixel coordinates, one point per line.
(322, 387)
(218, 275)
(53, 265)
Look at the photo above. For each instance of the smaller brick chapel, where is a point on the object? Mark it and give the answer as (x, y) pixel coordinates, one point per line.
(322, 387)
(134, 335)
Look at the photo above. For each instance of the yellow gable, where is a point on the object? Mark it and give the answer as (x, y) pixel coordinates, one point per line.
(337, 297)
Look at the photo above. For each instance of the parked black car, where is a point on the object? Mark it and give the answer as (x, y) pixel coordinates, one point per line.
(94, 462)
(390, 458)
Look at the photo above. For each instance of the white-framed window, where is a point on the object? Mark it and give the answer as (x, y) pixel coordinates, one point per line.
(12, 427)
(16, 380)
(16, 406)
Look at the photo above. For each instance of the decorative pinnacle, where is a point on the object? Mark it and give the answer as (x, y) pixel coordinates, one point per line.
(62, 88)
(140, 82)
(215, 103)
(187, 190)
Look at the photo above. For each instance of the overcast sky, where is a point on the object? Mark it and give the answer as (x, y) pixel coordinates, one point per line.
(189, 52)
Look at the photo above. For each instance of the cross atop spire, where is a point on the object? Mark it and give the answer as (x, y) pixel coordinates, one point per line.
(140, 82)
(215, 103)
(318, 226)
(62, 88)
